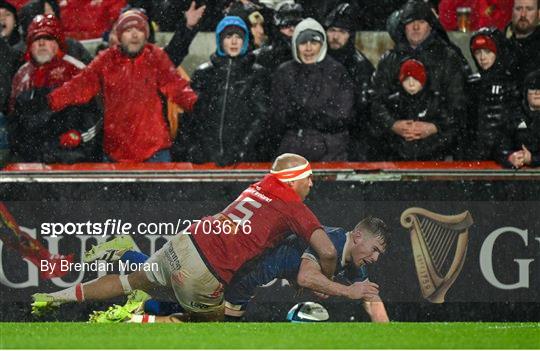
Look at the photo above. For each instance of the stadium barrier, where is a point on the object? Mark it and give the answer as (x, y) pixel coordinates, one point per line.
(465, 241)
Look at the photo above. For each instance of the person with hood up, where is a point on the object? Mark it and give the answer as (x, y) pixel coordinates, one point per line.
(340, 26)
(10, 58)
(232, 103)
(421, 37)
(37, 134)
(33, 8)
(494, 97)
(413, 123)
(521, 147)
(313, 98)
(132, 78)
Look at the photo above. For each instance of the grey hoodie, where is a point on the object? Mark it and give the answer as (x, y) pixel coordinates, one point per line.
(309, 23)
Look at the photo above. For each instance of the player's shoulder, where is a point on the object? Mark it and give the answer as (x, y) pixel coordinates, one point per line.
(335, 233)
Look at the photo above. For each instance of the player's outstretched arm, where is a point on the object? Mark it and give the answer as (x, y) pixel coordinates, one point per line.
(376, 310)
(311, 277)
(326, 251)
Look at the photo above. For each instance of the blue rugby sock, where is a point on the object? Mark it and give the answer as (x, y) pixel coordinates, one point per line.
(134, 257)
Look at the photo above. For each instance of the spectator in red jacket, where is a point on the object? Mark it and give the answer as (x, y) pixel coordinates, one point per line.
(484, 13)
(131, 78)
(36, 134)
(85, 19)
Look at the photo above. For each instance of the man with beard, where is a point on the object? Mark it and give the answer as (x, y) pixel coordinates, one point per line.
(131, 77)
(526, 36)
(36, 134)
(340, 27)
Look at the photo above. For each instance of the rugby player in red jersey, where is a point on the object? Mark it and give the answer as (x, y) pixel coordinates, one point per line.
(196, 264)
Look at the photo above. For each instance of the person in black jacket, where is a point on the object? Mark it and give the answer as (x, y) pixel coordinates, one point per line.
(340, 27)
(494, 97)
(286, 18)
(35, 133)
(521, 147)
(419, 37)
(524, 33)
(312, 99)
(232, 103)
(413, 122)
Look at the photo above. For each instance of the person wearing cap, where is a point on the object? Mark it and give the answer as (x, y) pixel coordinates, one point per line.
(340, 26)
(520, 147)
(524, 34)
(73, 47)
(420, 36)
(37, 134)
(312, 97)
(413, 123)
(195, 266)
(10, 61)
(132, 78)
(9, 36)
(494, 96)
(252, 15)
(286, 17)
(232, 103)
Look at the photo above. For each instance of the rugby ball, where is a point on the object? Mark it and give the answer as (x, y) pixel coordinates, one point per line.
(307, 312)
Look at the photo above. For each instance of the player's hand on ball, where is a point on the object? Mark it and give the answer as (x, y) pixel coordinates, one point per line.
(361, 290)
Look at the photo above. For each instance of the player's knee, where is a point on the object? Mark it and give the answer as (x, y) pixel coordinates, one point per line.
(139, 281)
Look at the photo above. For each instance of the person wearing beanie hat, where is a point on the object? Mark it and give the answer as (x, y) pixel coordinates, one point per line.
(412, 123)
(232, 101)
(232, 37)
(313, 98)
(36, 133)
(132, 31)
(287, 15)
(340, 26)
(40, 7)
(493, 93)
(520, 146)
(412, 76)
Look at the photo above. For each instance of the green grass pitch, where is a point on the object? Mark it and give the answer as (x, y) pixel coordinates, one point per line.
(270, 335)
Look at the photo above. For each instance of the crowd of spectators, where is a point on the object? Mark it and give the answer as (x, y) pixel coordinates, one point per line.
(285, 77)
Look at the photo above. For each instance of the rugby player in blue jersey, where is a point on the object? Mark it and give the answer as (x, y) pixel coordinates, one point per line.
(298, 264)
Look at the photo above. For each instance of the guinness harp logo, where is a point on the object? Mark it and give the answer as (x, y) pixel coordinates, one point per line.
(439, 246)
